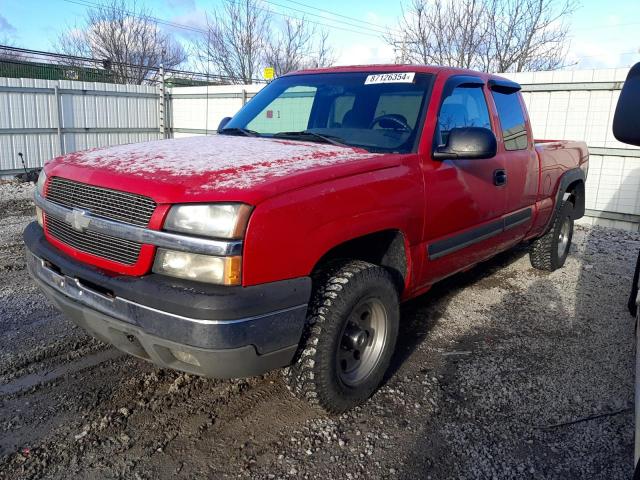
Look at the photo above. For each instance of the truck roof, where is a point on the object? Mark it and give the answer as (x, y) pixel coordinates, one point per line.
(433, 69)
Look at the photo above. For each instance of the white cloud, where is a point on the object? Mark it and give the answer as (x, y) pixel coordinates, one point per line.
(603, 53)
(187, 4)
(360, 53)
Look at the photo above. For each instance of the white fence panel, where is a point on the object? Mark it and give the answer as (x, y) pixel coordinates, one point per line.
(580, 105)
(198, 110)
(44, 118)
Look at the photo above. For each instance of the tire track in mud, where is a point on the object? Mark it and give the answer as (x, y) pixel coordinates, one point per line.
(58, 352)
(263, 411)
(168, 416)
(38, 379)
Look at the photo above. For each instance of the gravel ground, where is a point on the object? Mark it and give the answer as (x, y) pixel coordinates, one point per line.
(501, 372)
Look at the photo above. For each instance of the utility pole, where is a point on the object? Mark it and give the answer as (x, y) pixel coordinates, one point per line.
(163, 100)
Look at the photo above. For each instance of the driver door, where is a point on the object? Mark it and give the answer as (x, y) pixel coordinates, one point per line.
(464, 203)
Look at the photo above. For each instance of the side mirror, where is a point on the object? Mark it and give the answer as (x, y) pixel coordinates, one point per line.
(626, 122)
(468, 143)
(223, 123)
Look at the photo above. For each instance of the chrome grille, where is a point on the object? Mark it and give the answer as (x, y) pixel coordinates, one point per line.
(103, 202)
(105, 246)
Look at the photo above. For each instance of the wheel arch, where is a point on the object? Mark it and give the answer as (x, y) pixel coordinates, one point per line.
(575, 194)
(572, 188)
(387, 248)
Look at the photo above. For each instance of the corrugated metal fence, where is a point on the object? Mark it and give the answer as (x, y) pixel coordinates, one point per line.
(198, 110)
(45, 118)
(579, 105)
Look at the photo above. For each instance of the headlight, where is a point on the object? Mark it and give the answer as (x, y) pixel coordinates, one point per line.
(213, 220)
(42, 179)
(200, 268)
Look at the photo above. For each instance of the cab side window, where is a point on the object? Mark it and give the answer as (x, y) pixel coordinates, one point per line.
(514, 130)
(465, 106)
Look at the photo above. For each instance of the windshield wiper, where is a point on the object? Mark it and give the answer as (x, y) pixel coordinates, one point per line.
(332, 139)
(238, 130)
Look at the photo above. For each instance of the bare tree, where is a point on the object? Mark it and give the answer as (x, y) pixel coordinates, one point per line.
(242, 37)
(490, 35)
(323, 54)
(126, 39)
(298, 46)
(527, 34)
(441, 32)
(234, 44)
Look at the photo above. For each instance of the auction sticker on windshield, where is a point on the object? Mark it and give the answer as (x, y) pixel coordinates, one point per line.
(398, 77)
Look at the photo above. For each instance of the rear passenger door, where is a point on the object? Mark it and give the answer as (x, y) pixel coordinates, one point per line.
(521, 164)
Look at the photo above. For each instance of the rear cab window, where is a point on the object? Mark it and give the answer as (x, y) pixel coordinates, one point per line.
(512, 120)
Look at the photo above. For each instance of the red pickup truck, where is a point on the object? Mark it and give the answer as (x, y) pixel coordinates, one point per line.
(289, 239)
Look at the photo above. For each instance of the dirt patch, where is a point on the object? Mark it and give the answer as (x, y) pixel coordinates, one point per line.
(502, 372)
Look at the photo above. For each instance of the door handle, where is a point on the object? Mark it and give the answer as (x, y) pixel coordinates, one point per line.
(500, 177)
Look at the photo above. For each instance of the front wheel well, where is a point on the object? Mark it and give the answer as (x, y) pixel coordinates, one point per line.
(385, 248)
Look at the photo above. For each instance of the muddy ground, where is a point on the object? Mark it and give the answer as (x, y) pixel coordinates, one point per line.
(502, 372)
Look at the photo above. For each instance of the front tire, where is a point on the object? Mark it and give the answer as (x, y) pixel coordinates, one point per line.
(351, 332)
(550, 251)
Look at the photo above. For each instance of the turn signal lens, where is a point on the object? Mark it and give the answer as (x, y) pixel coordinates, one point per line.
(40, 216)
(42, 180)
(200, 268)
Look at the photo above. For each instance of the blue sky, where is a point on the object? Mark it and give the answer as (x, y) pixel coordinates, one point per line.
(603, 34)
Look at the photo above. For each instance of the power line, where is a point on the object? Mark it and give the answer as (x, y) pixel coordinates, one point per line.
(379, 30)
(293, 17)
(330, 12)
(87, 3)
(90, 4)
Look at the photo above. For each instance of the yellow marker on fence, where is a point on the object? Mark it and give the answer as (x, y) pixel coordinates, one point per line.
(269, 73)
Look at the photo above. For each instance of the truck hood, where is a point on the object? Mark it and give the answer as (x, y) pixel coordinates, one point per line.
(214, 168)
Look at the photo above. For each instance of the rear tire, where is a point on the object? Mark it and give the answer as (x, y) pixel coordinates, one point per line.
(550, 251)
(351, 332)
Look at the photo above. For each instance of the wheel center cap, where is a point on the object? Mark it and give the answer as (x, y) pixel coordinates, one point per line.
(356, 338)
(361, 339)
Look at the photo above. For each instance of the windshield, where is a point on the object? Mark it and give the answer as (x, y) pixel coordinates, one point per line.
(377, 112)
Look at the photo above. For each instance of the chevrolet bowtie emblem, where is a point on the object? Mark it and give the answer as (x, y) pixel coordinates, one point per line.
(78, 219)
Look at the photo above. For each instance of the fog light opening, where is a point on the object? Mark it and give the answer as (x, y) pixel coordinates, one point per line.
(185, 357)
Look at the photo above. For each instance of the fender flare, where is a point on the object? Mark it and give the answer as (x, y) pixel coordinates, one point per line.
(567, 178)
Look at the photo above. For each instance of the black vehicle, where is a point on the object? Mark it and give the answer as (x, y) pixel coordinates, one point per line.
(626, 128)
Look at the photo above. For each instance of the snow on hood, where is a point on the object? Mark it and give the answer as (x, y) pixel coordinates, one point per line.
(237, 162)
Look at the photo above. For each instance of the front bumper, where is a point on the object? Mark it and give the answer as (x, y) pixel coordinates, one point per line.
(214, 331)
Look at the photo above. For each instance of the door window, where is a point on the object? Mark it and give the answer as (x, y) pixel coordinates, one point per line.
(514, 130)
(465, 106)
